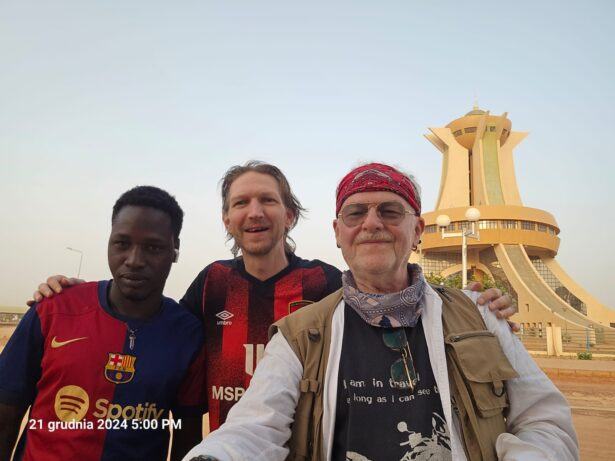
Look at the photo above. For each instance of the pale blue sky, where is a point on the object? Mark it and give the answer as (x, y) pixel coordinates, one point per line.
(96, 97)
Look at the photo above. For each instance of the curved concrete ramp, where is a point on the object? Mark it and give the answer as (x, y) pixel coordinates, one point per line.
(595, 309)
(521, 273)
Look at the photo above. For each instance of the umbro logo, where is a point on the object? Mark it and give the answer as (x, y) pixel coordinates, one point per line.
(224, 317)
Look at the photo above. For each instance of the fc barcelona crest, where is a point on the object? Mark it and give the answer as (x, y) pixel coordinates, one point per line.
(120, 368)
(295, 305)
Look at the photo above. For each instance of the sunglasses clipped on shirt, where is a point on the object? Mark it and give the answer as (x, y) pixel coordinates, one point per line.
(403, 373)
(391, 213)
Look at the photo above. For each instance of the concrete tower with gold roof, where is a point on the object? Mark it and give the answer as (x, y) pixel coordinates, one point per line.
(518, 244)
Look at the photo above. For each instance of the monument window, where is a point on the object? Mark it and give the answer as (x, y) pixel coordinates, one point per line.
(432, 228)
(528, 225)
(491, 128)
(542, 227)
(470, 129)
(487, 224)
(457, 133)
(435, 263)
(509, 224)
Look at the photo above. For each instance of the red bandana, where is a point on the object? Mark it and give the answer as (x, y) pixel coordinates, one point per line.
(376, 177)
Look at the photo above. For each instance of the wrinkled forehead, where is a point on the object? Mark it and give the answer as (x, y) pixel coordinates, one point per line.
(375, 197)
(253, 183)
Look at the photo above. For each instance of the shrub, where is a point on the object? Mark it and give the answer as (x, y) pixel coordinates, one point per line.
(584, 355)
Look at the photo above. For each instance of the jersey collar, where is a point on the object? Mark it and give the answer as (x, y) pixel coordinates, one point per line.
(293, 262)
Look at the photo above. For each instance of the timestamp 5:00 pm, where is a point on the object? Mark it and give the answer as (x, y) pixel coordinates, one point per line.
(105, 424)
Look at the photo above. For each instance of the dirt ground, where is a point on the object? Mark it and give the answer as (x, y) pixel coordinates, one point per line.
(593, 412)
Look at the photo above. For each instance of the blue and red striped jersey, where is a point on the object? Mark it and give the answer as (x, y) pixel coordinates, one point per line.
(113, 378)
(237, 310)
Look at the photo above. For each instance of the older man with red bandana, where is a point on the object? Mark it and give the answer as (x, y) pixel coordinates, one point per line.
(390, 367)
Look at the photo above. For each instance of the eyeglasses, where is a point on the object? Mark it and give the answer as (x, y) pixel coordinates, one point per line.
(403, 373)
(392, 213)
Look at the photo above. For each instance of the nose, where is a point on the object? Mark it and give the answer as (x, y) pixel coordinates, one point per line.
(255, 209)
(135, 257)
(372, 222)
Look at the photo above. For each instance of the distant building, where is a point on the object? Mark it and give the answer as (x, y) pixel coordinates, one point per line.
(9, 318)
(11, 315)
(517, 245)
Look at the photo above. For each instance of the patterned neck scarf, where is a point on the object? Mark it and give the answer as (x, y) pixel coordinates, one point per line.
(391, 310)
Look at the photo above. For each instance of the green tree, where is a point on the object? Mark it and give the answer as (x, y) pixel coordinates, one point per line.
(454, 281)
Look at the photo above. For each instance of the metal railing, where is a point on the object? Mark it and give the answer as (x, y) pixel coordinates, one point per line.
(598, 340)
(534, 339)
(573, 340)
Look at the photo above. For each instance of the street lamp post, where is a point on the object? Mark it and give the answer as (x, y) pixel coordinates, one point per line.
(472, 215)
(80, 258)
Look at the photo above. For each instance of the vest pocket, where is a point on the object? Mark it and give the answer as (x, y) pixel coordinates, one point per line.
(484, 368)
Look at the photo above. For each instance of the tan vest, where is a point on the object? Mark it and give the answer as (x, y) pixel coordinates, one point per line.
(477, 369)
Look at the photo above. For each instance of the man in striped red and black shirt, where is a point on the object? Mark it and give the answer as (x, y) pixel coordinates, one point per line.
(239, 298)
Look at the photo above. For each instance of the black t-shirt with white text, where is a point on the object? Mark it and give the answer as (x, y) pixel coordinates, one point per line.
(376, 420)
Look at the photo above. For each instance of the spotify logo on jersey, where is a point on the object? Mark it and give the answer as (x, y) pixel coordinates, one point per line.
(71, 404)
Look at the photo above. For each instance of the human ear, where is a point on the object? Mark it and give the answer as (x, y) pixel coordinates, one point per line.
(290, 217)
(337, 233)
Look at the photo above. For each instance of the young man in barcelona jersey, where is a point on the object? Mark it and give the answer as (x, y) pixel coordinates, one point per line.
(101, 364)
(239, 298)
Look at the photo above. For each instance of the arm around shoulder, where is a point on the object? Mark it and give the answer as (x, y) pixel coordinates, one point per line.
(52, 286)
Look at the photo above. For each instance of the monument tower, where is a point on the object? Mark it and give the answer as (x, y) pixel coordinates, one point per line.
(518, 244)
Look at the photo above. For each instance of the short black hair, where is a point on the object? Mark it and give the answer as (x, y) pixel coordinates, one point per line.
(153, 197)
